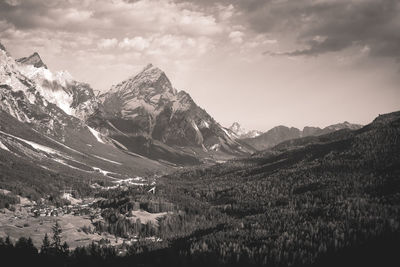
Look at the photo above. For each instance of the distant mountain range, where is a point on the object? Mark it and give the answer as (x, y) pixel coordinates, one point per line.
(282, 133)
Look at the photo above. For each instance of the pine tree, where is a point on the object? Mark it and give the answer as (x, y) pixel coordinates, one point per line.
(65, 247)
(57, 236)
(45, 245)
(8, 242)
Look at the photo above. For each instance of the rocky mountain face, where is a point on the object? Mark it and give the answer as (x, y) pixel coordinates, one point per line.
(241, 132)
(282, 133)
(148, 116)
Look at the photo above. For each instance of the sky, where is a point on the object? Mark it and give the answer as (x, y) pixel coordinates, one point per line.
(261, 63)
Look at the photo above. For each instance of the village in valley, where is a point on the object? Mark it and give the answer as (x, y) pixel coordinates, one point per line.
(77, 217)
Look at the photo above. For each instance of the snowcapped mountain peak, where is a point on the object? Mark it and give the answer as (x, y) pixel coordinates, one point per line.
(241, 132)
(31, 76)
(34, 60)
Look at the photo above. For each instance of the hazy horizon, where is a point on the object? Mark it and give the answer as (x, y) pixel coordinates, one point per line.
(260, 63)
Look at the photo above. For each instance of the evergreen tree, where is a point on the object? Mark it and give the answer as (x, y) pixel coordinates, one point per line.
(57, 236)
(8, 242)
(65, 248)
(45, 245)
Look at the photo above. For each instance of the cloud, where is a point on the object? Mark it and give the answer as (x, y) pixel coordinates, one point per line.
(107, 16)
(128, 25)
(74, 15)
(107, 43)
(195, 23)
(314, 27)
(236, 37)
(343, 24)
(137, 43)
(179, 46)
(225, 12)
(332, 26)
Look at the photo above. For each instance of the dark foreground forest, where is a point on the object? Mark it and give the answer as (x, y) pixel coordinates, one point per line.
(332, 200)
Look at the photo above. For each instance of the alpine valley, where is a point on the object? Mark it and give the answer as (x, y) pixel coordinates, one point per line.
(141, 175)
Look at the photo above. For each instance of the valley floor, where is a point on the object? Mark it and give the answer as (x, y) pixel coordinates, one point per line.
(28, 220)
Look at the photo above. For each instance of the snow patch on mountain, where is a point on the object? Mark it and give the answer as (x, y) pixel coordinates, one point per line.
(68, 165)
(63, 145)
(105, 173)
(204, 124)
(109, 160)
(34, 145)
(116, 129)
(96, 134)
(50, 86)
(228, 133)
(2, 146)
(195, 126)
(215, 147)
